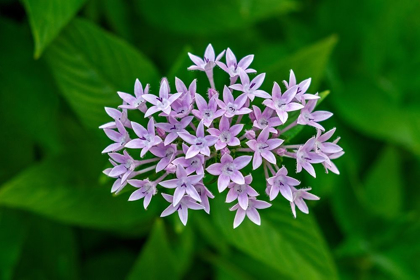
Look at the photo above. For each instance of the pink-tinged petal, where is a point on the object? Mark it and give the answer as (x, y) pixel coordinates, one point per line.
(200, 130)
(192, 152)
(234, 142)
(194, 179)
(257, 111)
(308, 167)
(196, 60)
(211, 140)
(230, 57)
(244, 77)
(227, 96)
(170, 138)
(331, 148)
(220, 145)
(136, 183)
(180, 172)
(136, 195)
(147, 199)
(194, 205)
(286, 192)
(292, 206)
(321, 115)
(304, 85)
(214, 131)
(215, 169)
(292, 181)
(138, 88)
(116, 186)
(248, 179)
(164, 89)
(237, 177)
(292, 79)
(192, 192)
(113, 113)
(186, 121)
(151, 98)
(274, 143)
(168, 211)
(235, 129)
(108, 125)
(209, 53)
(221, 104)
(274, 192)
(243, 111)
(251, 191)
(290, 94)
(276, 91)
(269, 103)
(205, 151)
(174, 97)
(327, 135)
(170, 184)
(190, 139)
(180, 86)
(308, 96)
(258, 80)
(231, 196)
(240, 101)
(178, 195)
(224, 124)
(162, 164)
(223, 66)
(293, 106)
(222, 182)
(135, 144)
(262, 94)
(239, 217)
(256, 161)
(300, 203)
(241, 162)
(201, 102)
(220, 55)
(117, 171)
(309, 196)
(112, 134)
(151, 127)
(126, 97)
(226, 158)
(151, 111)
(243, 201)
(168, 197)
(283, 116)
(260, 204)
(263, 137)
(237, 87)
(254, 216)
(195, 68)
(246, 61)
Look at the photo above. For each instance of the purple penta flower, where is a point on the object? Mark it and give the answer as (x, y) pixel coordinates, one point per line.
(232, 67)
(119, 184)
(282, 183)
(147, 138)
(305, 158)
(207, 112)
(136, 101)
(308, 117)
(302, 87)
(120, 138)
(251, 211)
(173, 127)
(163, 102)
(265, 119)
(186, 93)
(298, 200)
(228, 170)
(166, 153)
(208, 62)
(226, 134)
(183, 105)
(283, 103)
(183, 184)
(117, 115)
(200, 143)
(194, 164)
(126, 165)
(205, 194)
(262, 147)
(182, 207)
(233, 107)
(251, 89)
(241, 192)
(322, 146)
(328, 164)
(146, 190)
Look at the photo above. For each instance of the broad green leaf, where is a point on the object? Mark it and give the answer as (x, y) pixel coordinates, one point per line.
(90, 66)
(50, 252)
(192, 17)
(13, 231)
(383, 185)
(48, 17)
(293, 247)
(57, 188)
(160, 259)
(308, 62)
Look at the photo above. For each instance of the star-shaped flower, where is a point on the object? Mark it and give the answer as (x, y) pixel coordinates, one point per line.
(208, 62)
(200, 143)
(262, 147)
(251, 89)
(146, 190)
(232, 67)
(241, 192)
(207, 112)
(250, 211)
(182, 207)
(283, 103)
(173, 127)
(298, 200)
(125, 167)
(116, 115)
(136, 101)
(282, 183)
(308, 117)
(228, 170)
(163, 102)
(264, 119)
(166, 153)
(226, 134)
(183, 105)
(194, 164)
(205, 194)
(305, 158)
(231, 106)
(147, 138)
(120, 138)
(302, 87)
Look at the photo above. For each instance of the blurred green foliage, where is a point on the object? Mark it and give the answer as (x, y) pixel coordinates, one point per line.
(61, 62)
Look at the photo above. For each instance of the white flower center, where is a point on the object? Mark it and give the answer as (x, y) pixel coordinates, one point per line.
(228, 168)
(225, 136)
(200, 142)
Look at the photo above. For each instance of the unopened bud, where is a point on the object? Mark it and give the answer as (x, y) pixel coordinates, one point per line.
(250, 134)
(160, 132)
(171, 168)
(212, 92)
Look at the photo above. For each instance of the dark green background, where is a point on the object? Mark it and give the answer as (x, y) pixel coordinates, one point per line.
(61, 62)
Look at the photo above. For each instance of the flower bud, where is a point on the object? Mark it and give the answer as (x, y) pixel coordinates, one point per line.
(225, 150)
(250, 134)
(212, 92)
(281, 151)
(171, 168)
(160, 132)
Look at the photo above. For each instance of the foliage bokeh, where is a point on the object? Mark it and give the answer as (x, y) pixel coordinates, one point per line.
(61, 62)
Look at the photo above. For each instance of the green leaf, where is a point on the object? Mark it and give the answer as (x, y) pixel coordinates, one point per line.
(160, 260)
(47, 18)
(13, 231)
(293, 247)
(50, 252)
(195, 17)
(59, 189)
(383, 185)
(307, 62)
(90, 66)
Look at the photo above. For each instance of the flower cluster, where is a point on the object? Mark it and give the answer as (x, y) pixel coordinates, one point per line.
(187, 135)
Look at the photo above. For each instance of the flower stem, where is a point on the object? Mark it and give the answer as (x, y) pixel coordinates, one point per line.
(193, 126)
(141, 162)
(158, 180)
(147, 169)
(238, 120)
(292, 146)
(270, 168)
(293, 124)
(209, 74)
(244, 150)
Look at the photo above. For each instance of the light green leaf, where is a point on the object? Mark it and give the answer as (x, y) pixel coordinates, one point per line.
(307, 62)
(58, 189)
(47, 18)
(160, 260)
(13, 231)
(196, 17)
(293, 247)
(90, 66)
(383, 185)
